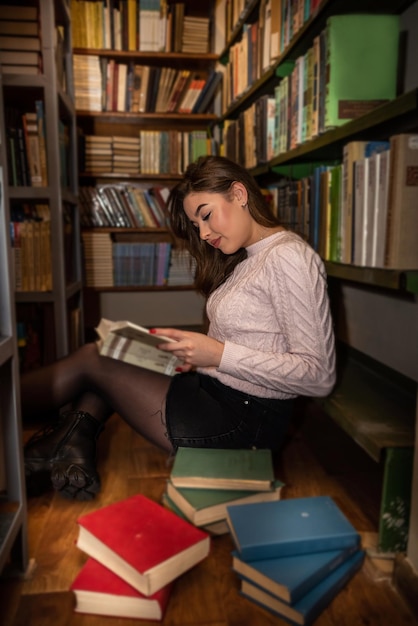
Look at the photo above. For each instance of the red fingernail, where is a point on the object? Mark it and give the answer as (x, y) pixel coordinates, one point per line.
(179, 369)
(152, 330)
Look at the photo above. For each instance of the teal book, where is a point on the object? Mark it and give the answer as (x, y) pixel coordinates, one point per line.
(204, 506)
(211, 468)
(268, 530)
(362, 60)
(291, 577)
(311, 605)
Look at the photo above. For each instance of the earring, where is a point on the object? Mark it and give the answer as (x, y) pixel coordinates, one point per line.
(244, 204)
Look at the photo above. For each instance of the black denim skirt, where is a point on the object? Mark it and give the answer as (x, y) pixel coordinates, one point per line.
(202, 412)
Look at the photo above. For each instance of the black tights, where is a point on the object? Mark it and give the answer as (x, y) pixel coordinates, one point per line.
(101, 386)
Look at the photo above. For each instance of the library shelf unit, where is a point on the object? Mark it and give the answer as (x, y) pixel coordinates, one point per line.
(128, 124)
(60, 307)
(372, 401)
(13, 508)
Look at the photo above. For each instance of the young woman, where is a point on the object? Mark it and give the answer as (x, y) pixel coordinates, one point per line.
(270, 339)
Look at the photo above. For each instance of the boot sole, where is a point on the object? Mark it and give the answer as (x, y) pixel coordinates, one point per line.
(75, 482)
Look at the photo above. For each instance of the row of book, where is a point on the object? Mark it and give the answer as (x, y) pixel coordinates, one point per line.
(149, 25)
(104, 84)
(350, 70)
(30, 235)
(361, 211)
(124, 205)
(26, 148)
(140, 263)
(150, 152)
(30, 232)
(111, 262)
(278, 22)
(291, 556)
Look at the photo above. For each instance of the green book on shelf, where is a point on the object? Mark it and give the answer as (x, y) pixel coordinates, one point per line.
(362, 60)
(211, 468)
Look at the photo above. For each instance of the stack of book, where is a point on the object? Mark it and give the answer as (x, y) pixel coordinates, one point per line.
(87, 83)
(195, 35)
(20, 42)
(136, 548)
(98, 154)
(98, 260)
(204, 481)
(293, 556)
(126, 155)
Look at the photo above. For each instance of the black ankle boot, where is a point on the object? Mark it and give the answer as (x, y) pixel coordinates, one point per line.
(66, 451)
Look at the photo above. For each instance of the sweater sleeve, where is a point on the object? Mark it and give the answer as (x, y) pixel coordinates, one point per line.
(305, 364)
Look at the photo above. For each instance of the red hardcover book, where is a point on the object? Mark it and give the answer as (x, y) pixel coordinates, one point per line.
(99, 591)
(142, 542)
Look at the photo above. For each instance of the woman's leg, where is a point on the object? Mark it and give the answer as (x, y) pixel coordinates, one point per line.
(95, 386)
(100, 386)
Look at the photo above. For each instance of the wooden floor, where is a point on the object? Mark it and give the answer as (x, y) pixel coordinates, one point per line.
(317, 460)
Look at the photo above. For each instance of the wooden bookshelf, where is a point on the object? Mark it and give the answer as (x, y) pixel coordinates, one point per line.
(378, 414)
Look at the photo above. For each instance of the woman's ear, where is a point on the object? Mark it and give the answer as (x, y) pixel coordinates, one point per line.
(240, 193)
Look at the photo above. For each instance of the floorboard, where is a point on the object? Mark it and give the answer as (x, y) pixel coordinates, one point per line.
(314, 462)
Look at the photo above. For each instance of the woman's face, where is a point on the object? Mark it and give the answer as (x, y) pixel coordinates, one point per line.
(223, 223)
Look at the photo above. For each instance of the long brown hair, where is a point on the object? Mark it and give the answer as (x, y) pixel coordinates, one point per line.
(214, 174)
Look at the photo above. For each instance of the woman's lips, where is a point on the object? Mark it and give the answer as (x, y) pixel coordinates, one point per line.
(215, 242)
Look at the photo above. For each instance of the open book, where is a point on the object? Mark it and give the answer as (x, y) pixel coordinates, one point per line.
(134, 344)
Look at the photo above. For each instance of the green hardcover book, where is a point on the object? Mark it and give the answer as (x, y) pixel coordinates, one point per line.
(211, 468)
(362, 59)
(205, 506)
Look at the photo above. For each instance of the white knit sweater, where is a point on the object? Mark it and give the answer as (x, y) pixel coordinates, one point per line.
(273, 316)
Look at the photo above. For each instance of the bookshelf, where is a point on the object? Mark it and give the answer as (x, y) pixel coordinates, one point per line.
(13, 511)
(178, 135)
(375, 308)
(53, 311)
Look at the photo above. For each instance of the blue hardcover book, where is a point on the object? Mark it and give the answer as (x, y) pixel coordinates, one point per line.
(307, 609)
(268, 530)
(291, 577)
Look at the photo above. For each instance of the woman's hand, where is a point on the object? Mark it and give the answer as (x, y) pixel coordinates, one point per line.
(193, 349)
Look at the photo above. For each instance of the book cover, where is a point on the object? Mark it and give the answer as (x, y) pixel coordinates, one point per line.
(309, 607)
(211, 468)
(99, 591)
(291, 577)
(145, 544)
(136, 345)
(204, 506)
(362, 58)
(289, 527)
(402, 217)
(215, 528)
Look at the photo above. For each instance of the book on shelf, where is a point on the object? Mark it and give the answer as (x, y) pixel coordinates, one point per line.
(364, 170)
(205, 506)
(401, 251)
(362, 59)
(99, 591)
(20, 43)
(309, 607)
(289, 527)
(16, 27)
(134, 344)
(289, 578)
(352, 151)
(211, 468)
(31, 135)
(40, 120)
(142, 542)
(26, 13)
